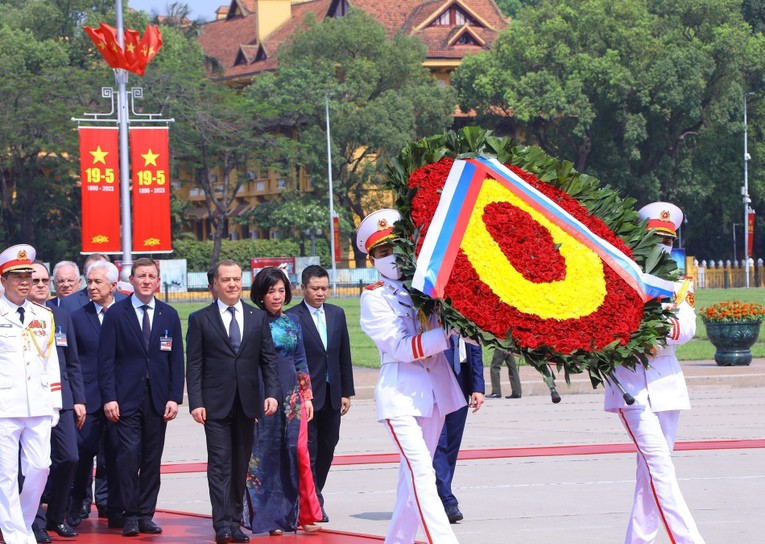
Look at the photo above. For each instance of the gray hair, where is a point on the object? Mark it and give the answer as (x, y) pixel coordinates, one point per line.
(62, 264)
(112, 274)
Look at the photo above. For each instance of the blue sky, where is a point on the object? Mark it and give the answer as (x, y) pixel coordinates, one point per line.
(199, 8)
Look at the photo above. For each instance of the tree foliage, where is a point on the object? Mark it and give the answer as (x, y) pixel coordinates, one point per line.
(646, 95)
(380, 97)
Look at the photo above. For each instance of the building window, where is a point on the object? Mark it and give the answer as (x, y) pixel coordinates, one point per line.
(465, 39)
(454, 16)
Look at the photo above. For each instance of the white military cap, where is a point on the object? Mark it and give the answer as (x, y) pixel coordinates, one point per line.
(17, 258)
(376, 228)
(663, 217)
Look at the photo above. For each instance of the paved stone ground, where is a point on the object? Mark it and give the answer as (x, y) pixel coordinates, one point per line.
(575, 499)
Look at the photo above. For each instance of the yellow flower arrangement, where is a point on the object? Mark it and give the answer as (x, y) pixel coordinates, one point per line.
(732, 311)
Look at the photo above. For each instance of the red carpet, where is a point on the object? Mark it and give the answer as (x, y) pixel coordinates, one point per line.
(504, 453)
(192, 529)
(196, 529)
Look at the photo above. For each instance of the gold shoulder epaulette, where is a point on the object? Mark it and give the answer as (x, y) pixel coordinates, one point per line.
(41, 305)
(375, 285)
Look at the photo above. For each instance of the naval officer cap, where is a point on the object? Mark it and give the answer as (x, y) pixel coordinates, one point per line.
(663, 217)
(376, 229)
(17, 258)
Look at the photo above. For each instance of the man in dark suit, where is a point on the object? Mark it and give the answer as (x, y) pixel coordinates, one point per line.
(72, 299)
(101, 281)
(328, 351)
(467, 364)
(140, 375)
(229, 348)
(72, 415)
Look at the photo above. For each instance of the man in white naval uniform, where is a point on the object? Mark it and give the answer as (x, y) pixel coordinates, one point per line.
(651, 422)
(30, 395)
(416, 387)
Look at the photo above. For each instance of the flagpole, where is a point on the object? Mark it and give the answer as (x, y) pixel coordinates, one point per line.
(121, 78)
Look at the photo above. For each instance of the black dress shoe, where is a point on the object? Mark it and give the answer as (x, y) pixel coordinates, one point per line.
(494, 396)
(453, 513)
(513, 396)
(84, 509)
(103, 513)
(149, 527)
(41, 535)
(131, 528)
(62, 529)
(238, 536)
(116, 522)
(223, 535)
(73, 519)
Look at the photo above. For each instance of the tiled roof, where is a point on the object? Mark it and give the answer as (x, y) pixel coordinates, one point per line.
(224, 39)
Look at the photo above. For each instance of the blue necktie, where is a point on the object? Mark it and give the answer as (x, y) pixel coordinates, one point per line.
(322, 326)
(146, 326)
(456, 361)
(234, 333)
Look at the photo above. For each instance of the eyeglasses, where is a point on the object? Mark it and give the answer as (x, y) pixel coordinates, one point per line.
(44, 281)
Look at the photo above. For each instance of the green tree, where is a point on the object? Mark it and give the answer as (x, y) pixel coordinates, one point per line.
(380, 97)
(42, 86)
(642, 94)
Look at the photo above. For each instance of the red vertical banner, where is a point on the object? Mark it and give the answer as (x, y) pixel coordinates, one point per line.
(149, 164)
(750, 228)
(100, 181)
(336, 231)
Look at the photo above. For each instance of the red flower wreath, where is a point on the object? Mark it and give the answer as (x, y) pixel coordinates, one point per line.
(530, 249)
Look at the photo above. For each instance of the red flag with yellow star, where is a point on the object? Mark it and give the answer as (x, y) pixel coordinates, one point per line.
(149, 163)
(150, 45)
(105, 39)
(136, 54)
(99, 180)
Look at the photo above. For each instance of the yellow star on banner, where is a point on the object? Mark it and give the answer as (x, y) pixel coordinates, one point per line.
(130, 48)
(99, 156)
(150, 158)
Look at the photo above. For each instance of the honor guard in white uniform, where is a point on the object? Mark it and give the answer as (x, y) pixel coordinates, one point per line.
(416, 387)
(30, 396)
(651, 422)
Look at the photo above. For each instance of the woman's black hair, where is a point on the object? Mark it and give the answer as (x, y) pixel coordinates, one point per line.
(264, 280)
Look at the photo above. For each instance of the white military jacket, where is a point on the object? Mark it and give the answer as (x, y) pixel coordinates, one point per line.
(660, 387)
(414, 372)
(30, 379)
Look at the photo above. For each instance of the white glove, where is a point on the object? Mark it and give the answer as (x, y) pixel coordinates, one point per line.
(54, 418)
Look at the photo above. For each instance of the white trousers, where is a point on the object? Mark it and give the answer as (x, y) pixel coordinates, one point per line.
(417, 502)
(658, 500)
(30, 436)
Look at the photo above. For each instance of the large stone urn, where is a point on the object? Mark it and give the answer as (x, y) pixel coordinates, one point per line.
(733, 341)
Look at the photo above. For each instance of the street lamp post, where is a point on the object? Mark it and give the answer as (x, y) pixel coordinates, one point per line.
(121, 78)
(745, 197)
(331, 200)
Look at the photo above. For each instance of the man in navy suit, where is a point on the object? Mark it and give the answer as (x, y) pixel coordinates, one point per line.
(140, 375)
(467, 364)
(72, 299)
(328, 351)
(72, 416)
(101, 284)
(229, 349)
